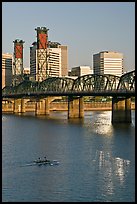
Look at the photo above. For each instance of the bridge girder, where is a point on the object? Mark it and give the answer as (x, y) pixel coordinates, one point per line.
(8, 90)
(94, 82)
(127, 81)
(86, 83)
(59, 84)
(26, 87)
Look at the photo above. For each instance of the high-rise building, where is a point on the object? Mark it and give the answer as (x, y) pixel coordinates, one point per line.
(52, 63)
(47, 59)
(64, 60)
(108, 62)
(6, 69)
(33, 62)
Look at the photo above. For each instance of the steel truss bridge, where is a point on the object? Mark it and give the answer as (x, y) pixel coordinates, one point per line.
(87, 85)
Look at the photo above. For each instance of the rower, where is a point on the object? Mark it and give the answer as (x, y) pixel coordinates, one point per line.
(39, 159)
(45, 159)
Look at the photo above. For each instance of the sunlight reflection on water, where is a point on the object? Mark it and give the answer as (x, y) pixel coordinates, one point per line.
(94, 165)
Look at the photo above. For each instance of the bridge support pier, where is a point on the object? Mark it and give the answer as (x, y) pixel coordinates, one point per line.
(75, 107)
(19, 106)
(42, 107)
(121, 110)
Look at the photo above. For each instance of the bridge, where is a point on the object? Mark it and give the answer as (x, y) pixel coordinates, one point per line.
(121, 89)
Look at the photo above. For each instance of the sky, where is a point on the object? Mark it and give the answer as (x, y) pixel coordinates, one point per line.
(87, 28)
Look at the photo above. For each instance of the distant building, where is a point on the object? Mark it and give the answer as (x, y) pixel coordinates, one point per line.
(80, 71)
(54, 62)
(51, 63)
(71, 77)
(64, 60)
(7, 60)
(33, 61)
(108, 62)
(47, 59)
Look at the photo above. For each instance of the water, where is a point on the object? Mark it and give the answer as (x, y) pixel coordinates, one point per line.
(96, 158)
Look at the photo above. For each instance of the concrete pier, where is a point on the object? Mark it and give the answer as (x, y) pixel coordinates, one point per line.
(75, 107)
(121, 110)
(19, 106)
(42, 107)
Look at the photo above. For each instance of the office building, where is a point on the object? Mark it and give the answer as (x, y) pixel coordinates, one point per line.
(80, 71)
(54, 62)
(108, 62)
(51, 65)
(7, 60)
(64, 60)
(33, 62)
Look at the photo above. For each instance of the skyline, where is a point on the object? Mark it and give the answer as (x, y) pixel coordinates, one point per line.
(86, 28)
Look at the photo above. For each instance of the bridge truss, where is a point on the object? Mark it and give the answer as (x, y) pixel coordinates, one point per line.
(87, 83)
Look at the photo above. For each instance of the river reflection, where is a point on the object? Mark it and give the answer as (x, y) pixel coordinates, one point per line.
(115, 165)
(97, 159)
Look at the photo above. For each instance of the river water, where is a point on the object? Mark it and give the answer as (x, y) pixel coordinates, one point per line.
(96, 159)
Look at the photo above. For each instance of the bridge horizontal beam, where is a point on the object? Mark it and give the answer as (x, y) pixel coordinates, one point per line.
(97, 93)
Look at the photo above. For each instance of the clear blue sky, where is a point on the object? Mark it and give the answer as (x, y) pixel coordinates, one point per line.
(85, 27)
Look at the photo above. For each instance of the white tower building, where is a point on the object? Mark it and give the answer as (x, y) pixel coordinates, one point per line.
(7, 60)
(108, 62)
